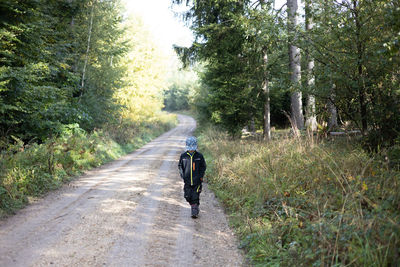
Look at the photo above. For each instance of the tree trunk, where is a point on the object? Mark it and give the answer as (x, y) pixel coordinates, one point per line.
(360, 79)
(87, 48)
(265, 88)
(267, 111)
(294, 67)
(252, 125)
(311, 121)
(332, 123)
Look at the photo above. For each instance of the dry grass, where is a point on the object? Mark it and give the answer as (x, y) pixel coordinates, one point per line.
(299, 201)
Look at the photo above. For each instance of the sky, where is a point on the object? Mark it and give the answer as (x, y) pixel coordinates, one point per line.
(158, 16)
(167, 29)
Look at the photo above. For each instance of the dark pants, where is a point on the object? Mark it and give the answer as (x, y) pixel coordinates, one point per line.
(192, 193)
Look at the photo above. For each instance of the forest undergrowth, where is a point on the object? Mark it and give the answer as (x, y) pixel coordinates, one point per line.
(28, 171)
(307, 202)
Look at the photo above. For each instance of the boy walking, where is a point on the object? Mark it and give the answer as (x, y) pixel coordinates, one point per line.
(192, 167)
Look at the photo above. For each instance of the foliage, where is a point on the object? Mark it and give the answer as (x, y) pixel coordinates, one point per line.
(146, 75)
(68, 62)
(105, 69)
(349, 43)
(30, 170)
(232, 40)
(306, 203)
(181, 91)
(217, 25)
(354, 45)
(35, 83)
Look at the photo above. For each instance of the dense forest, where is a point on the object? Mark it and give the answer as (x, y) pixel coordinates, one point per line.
(81, 83)
(66, 63)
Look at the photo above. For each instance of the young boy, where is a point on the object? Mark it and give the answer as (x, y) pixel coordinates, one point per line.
(192, 167)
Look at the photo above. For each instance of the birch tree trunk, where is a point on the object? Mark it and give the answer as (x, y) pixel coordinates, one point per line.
(265, 88)
(311, 122)
(267, 111)
(294, 67)
(88, 47)
(332, 121)
(74, 65)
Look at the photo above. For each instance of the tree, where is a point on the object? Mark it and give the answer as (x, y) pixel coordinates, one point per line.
(349, 41)
(180, 92)
(35, 79)
(141, 90)
(93, 4)
(267, 108)
(294, 66)
(235, 38)
(311, 121)
(218, 24)
(351, 63)
(63, 62)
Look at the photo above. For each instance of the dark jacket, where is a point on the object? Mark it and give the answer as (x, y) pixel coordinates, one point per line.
(192, 168)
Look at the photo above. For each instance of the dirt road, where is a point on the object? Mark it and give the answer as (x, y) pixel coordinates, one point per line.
(130, 212)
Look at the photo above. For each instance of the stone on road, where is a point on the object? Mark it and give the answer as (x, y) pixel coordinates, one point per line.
(130, 212)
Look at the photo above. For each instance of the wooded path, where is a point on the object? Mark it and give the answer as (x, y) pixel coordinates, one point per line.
(130, 212)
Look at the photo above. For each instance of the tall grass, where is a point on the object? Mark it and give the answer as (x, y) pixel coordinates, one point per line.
(307, 203)
(30, 170)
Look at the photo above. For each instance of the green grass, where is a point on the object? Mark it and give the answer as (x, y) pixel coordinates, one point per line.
(29, 171)
(306, 203)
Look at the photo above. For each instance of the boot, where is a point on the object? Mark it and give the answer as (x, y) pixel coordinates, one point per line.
(195, 210)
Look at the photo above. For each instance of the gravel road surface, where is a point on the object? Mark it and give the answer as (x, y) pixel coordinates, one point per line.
(130, 212)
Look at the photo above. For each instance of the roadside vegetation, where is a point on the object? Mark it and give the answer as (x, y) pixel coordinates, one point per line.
(28, 171)
(307, 202)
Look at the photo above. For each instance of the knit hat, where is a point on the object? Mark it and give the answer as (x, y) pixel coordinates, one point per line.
(191, 143)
